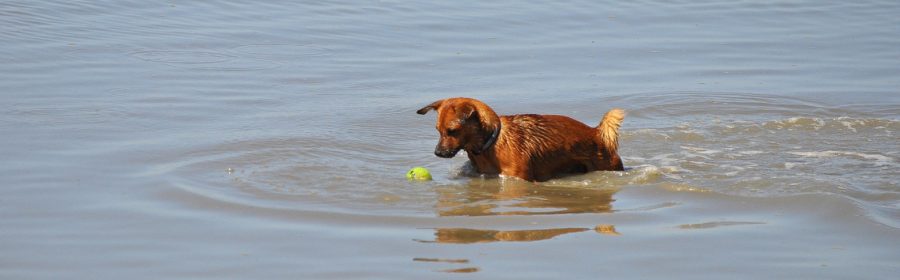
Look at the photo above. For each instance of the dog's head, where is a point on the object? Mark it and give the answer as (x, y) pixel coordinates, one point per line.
(464, 124)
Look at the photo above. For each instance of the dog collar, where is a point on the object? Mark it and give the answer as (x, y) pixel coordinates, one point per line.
(491, 140)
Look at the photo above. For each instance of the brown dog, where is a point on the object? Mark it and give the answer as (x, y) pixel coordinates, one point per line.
(531, 147)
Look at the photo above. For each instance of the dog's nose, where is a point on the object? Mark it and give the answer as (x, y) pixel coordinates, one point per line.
(441, 153)
(444, 153)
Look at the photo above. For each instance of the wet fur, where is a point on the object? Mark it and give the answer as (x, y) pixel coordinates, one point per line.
(531, 147)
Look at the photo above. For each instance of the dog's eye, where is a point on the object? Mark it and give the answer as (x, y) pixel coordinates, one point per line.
(452, 132)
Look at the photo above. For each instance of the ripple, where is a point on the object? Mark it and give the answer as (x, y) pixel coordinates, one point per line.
(709, 225)
(338, 175)
(787, 152)
(690, 105)
(297, 173)
(182, 57)
(65, 115)
(205, 60)
(839, 124)
(757, 156)
(877, 159)
(283, 51)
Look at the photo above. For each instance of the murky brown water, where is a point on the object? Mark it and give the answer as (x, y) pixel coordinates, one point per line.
(270, 140)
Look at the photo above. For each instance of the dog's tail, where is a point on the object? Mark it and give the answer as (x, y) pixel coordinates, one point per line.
(608, 129)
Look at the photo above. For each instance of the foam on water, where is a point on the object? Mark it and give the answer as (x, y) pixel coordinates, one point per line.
(854, 157)
(877, 159)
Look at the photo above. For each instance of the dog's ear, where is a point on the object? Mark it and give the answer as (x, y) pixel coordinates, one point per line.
(490, 122)
(433, 106)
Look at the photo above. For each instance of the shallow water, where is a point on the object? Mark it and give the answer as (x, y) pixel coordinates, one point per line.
(268, 140)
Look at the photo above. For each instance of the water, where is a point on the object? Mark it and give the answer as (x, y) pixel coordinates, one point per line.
(224, 139)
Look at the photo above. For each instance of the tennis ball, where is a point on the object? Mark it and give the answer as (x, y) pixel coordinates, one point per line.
(418, 173)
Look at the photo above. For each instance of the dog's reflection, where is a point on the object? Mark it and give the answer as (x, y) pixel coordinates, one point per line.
(467, 236)
(486, 197)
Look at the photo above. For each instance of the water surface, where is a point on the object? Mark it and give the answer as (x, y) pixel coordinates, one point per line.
(230, 139)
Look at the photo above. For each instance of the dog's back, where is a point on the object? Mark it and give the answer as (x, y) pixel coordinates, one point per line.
(551, 145)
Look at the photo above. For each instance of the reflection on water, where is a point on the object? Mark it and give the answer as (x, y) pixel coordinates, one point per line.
(468, 236)
(462, 270)
(441, 260)
(607, 230)
(717, 224)
(450, 261)
(515, 197)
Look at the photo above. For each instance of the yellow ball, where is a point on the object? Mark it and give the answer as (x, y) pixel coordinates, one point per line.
(419, 174)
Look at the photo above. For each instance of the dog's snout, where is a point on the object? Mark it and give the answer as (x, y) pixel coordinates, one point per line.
(445, 153)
